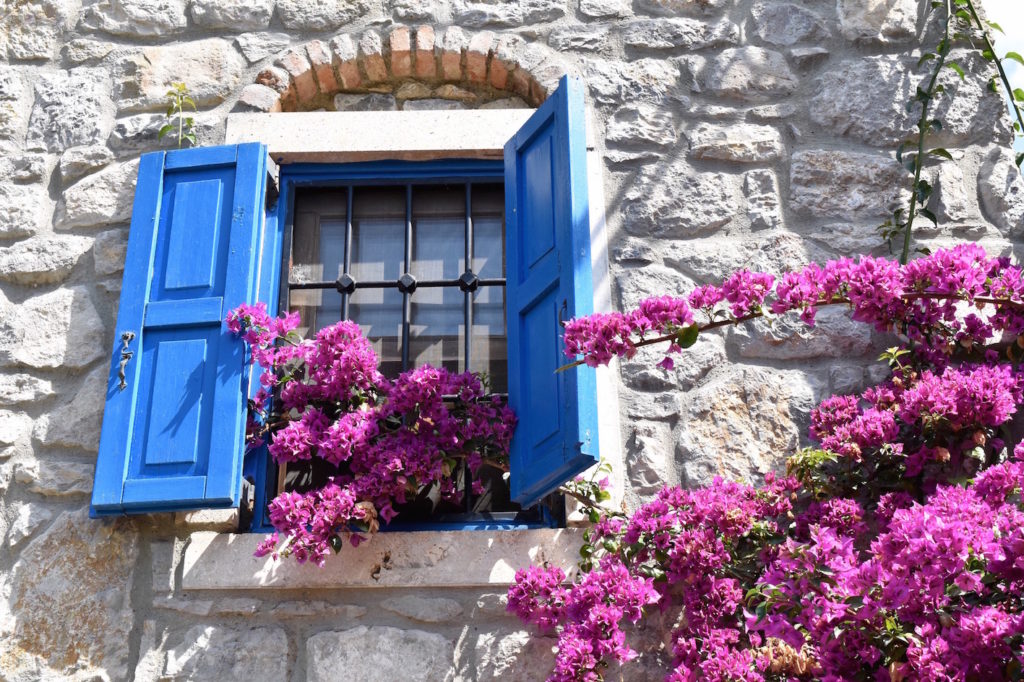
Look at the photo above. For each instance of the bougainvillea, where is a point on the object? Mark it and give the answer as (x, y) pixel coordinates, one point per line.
(892, 551)
(389, 439)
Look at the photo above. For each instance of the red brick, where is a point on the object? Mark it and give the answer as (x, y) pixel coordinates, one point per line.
(401, 52)
(301, 72)
(371, 57)
(454, 44)
(346, 62)
(321, 61)
(476, 56)
(426, 62)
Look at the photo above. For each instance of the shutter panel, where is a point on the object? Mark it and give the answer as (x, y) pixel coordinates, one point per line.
(549, 279)
(173, 437)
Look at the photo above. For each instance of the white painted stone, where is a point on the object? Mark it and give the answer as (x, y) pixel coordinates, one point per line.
(884, 21)
(13, 427)
(211, 68)
(601, 9)
(23, 388)
(232, 14)
(427, 610)
(56, 329)
(141, 133)
(82, 50)
(78, 161)
(216, 652)
(337, 613)
(259, 97)
(42, 260)
(834, 336)
(647, 455)
(100, 199)
(586, 38)
(321, 15)
(477, 14)
(70, 612)
(517, 656)
(410, 11)
(644, 80)
(741, 142)
(76, 423)
(23, 168)
(764, 205)
(849, 185)
(56, 478)
(71, 108)
(713, 259)
(637, 284)
(637, 124)
(136, 18)
(674, 7)
(785, 24)
(950, 200)
(378, 654)
(677, 201)
(23, 210)
(1002, 191)
(865, 99)
(258, 46)
(108, 252)
(742, 424)
(688, 34)
(34, 28)
(846, 380)
(643, 375)
(27, 520)
(751, 74)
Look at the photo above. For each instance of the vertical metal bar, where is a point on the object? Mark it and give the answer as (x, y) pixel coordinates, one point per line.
(467, 297)
(347, 267)
(407, 298)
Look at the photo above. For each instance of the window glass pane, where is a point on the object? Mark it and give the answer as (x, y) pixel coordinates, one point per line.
(489, 352)
(378, 233)
(438, 253)
(378, 312)
(489, 231)
(318, 254)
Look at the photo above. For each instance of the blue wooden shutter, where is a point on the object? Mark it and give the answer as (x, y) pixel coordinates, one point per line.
(173, 436)
(549, 279)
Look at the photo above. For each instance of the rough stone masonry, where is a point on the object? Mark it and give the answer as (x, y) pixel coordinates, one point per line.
(732, 133)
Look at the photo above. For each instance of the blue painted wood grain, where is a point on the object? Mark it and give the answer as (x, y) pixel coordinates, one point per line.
(547, 223)
(172, 439)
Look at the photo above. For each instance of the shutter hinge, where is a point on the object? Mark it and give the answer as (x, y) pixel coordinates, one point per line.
(273, 182)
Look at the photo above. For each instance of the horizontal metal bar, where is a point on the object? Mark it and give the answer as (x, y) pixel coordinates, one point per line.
(393, 284)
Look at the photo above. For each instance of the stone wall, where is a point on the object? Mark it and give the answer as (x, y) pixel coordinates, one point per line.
(733, 133)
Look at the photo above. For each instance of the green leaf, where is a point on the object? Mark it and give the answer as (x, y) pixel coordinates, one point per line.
(935, 124)
(1020, 159)
(988, 55)
(929, 215)
(1018, 94)
(688, 336)
(1015, 56)
(164, 130)
(925, 57)
(187, 99)
(959, 69)
(939, 151)
(995, 26)
(336, 543)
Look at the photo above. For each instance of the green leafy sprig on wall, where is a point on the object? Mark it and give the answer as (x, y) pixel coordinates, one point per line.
(962, 23)
(178, 98)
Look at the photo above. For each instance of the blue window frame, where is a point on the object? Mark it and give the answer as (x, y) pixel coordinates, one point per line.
(202, 241)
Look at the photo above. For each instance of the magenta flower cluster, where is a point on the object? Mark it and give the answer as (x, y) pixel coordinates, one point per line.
(892, 551)
(389, 439)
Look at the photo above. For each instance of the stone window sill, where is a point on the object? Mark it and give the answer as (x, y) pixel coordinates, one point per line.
(217, 561)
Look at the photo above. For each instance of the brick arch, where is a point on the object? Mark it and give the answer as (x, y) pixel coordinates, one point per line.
(410, 63)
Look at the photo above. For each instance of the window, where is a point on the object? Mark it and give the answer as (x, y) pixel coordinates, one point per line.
(416, 258)
(207, 234)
